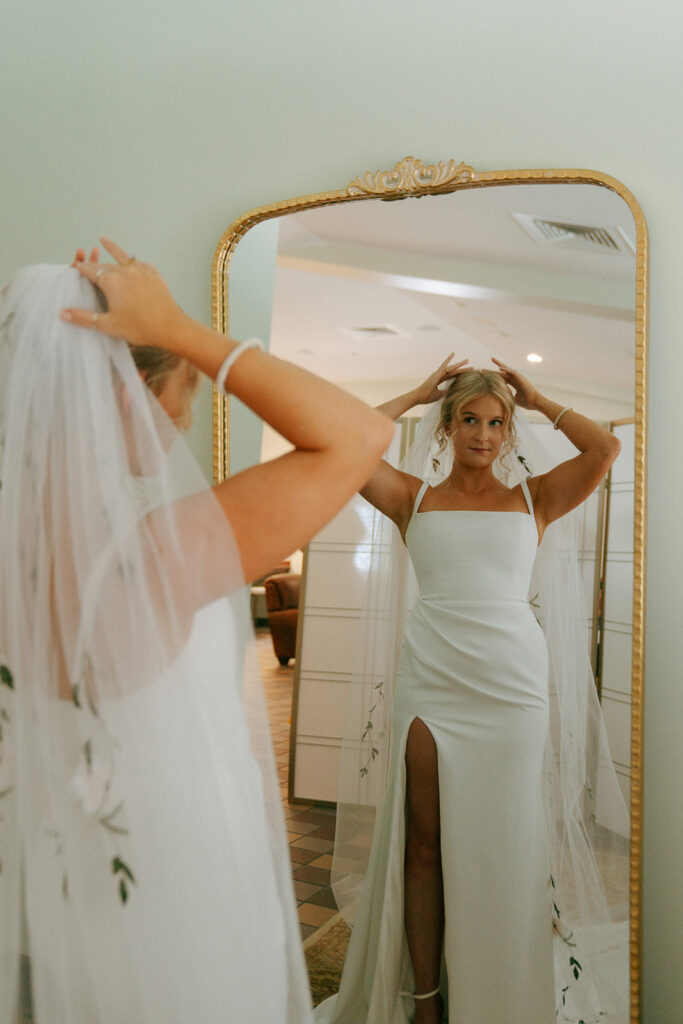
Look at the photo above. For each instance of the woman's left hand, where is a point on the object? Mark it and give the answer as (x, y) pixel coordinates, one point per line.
(526, 394)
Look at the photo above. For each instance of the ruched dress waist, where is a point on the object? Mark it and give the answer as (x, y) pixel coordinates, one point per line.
(472, 637)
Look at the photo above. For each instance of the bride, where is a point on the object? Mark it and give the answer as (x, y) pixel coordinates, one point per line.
(143, 864)
(467, 882)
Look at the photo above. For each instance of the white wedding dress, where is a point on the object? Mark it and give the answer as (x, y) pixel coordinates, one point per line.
(190, 947)
(474, 669)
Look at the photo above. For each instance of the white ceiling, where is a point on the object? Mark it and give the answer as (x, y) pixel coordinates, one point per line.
(458, 273)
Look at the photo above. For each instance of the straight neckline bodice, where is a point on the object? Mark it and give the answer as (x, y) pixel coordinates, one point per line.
(460, 555)
(478, 511)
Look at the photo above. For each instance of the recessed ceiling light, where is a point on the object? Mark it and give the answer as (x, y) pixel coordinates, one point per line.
(534, 358)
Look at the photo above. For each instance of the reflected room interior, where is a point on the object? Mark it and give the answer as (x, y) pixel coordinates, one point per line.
(374, 295)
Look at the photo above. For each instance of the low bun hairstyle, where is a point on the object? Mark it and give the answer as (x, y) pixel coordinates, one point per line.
(154, 365)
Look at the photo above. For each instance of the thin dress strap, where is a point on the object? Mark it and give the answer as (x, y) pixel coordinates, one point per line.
(420, 495)
(527, 495)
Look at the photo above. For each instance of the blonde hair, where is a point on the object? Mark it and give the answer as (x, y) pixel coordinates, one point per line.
(154, 365)
(469, 385)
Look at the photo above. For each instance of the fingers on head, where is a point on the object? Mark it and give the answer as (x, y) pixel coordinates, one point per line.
(80, 317)
(119, 254)
(88, 270)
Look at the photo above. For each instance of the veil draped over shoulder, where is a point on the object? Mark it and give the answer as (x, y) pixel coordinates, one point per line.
(144, 874)
(589, 863)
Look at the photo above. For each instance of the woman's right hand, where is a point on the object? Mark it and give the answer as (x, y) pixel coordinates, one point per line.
(430, 390)
(140, 307)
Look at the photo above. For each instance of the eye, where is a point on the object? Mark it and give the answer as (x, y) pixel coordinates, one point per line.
(496, 423)
(469, 419)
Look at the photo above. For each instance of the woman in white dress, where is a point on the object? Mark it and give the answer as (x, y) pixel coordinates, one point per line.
(463, 834)
(141, 840)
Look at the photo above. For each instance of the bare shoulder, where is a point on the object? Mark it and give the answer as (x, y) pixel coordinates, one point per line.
(393, 492)
(564, 487)
(411, 488)
(534, 484)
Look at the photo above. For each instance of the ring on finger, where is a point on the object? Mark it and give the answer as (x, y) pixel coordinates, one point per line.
(99, 272)
(131, 259)
(94, 318)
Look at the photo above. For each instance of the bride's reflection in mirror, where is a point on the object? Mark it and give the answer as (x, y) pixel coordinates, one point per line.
(373, 296)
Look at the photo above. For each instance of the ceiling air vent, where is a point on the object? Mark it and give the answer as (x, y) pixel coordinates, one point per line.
(562, 234)
(373, 332)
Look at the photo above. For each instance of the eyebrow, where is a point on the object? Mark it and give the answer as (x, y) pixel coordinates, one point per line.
(468, 412)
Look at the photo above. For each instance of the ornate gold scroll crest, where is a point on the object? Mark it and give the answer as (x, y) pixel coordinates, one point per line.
(410, 176)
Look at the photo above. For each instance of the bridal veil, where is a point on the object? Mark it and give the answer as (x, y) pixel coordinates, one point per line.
(141, 835)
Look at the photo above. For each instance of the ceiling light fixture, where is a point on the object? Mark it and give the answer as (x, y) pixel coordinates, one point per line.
(534, 358)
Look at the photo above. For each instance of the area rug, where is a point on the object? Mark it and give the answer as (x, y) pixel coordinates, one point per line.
(325, 952)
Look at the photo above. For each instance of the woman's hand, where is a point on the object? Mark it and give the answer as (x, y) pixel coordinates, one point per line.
(526, 395)
(140, 307)
(80, 256)
(430, 390)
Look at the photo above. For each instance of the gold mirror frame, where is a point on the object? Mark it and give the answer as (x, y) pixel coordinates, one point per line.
(410, 177)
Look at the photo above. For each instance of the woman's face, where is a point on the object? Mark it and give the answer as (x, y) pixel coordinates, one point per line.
(479, 432)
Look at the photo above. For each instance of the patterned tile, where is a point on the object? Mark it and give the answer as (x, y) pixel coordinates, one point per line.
(326, 831)
(305, 891)
(322, 898)
(313, 844)
(298, 856)
(323, 862)
(310, 914)
(307, 873)
(318, 815)
(302, 828)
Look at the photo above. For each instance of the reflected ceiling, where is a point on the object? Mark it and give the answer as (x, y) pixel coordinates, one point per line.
(460, 272)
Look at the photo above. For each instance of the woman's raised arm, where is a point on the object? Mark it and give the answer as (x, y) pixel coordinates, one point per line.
(388, 489)
(276, 507)
(567, 485)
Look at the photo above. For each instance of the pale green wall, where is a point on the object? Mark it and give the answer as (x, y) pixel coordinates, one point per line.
(159, 123)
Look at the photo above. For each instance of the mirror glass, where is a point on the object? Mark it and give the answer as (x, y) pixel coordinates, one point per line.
(373, 295)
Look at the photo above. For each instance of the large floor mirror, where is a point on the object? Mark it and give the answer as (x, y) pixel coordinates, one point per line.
(371, 286)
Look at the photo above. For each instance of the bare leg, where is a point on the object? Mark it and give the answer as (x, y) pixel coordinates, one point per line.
(424, 910)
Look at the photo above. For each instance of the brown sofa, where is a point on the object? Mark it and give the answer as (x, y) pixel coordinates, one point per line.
(282, 602)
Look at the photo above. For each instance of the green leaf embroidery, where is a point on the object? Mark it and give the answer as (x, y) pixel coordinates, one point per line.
(6, 677)
(118, 865)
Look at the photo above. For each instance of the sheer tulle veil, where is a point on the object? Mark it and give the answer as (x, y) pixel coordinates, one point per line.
(589, 864)
(141, 840)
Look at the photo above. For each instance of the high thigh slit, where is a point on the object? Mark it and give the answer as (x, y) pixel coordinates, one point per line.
(423, 876)
(474, 669)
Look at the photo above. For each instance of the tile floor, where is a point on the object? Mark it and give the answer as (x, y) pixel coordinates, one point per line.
(310, 827)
